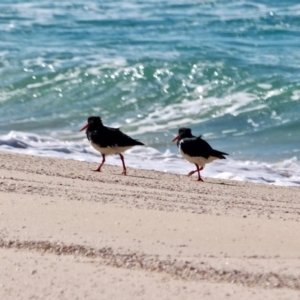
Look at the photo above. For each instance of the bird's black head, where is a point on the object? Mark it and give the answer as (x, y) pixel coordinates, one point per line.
(94, 120)
(93, 123)
(183, 133)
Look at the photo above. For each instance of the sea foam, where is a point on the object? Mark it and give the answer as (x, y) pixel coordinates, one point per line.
(285, 173)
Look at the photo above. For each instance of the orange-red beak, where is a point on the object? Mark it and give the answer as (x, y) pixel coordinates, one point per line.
(175, 138)
(84, 127)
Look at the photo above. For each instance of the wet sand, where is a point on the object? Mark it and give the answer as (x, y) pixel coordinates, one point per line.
(69, 233)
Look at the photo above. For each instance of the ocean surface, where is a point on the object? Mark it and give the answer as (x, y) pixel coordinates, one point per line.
(230, 70)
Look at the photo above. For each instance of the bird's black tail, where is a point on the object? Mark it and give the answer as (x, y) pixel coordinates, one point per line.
(219, 154)
(138, 143)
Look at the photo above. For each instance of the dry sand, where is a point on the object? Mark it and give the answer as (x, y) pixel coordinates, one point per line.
(69, 233)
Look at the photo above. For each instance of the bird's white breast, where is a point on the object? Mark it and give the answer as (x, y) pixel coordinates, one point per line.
(110, 150)
(199, 160)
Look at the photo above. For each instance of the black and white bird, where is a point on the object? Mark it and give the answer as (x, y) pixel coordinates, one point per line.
(107, 140)
(196, 150)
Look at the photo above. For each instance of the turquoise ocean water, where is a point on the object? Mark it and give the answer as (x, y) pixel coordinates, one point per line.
(230, 70)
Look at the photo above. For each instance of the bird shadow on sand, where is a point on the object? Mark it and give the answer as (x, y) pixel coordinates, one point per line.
(220, 183)
(136, 176)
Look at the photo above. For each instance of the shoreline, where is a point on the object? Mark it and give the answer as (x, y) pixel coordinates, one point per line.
(279, 173)
(147, 231)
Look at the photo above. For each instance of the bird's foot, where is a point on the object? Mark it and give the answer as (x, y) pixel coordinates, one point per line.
(200, 179)
(124, 172)
(191, 173)
(97, 170)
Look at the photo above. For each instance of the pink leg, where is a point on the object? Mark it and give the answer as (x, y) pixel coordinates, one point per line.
(123, 162)
(193, 172)
(199, 169)
(102, 163)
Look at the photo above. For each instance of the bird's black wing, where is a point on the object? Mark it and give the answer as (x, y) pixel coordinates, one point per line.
(196, 147)
(112, 137)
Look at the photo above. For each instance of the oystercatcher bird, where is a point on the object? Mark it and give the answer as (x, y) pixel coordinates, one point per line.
(196, 150)
(107, 140)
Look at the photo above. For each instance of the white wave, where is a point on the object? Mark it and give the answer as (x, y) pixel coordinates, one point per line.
(192, 112)
(282, 173)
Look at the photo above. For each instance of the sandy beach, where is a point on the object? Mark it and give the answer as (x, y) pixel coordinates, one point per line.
(69, 233)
